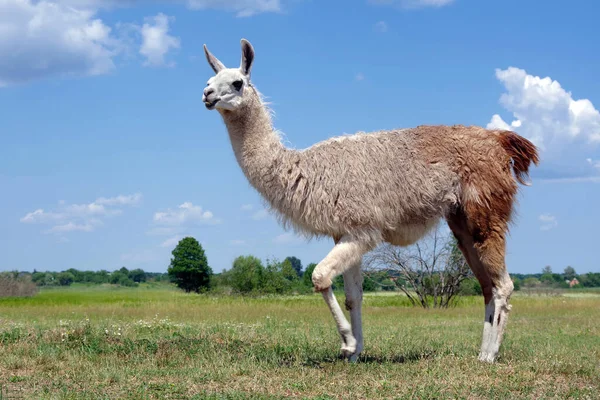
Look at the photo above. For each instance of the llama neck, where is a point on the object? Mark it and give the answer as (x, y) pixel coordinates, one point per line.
(257, 147)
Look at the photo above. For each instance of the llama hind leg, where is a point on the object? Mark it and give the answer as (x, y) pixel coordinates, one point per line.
(497, 291)
(353, 281)
(345, 254)
(497, 311)
(487, 261)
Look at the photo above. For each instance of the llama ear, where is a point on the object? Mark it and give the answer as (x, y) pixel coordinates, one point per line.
(214, 62)
(247, 57)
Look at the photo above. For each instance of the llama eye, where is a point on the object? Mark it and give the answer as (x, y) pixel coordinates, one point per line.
(238, 85)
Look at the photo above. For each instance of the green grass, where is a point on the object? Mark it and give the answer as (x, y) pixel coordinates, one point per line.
(159, 343)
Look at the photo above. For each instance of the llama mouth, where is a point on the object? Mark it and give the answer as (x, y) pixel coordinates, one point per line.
(211, 105)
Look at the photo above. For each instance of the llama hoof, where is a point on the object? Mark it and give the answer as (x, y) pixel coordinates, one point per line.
(487, 357)
(348, 347)
(354, 357)
(348, 352)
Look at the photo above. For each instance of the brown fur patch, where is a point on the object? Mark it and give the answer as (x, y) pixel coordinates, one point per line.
(522, 152)
(482, 159)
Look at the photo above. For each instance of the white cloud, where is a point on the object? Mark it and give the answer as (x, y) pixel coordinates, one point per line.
(47, 38)
(257, 215)
(171, 242)
(39, 215)
(260, 214)
(594, 163)
(80, 217)
(548, 222)
(287, 238)
(156, 41)
(242, 8)
(74, 227)
(128, 200)
(381, 27)
(62, 38)
(186, 213)
(412, 3)
(566, 130)
(237, 242)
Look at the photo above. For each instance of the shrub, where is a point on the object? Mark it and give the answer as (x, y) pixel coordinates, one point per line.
(13, 284)
(65, 278)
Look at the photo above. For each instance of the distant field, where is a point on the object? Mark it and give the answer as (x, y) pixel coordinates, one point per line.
(153, 342)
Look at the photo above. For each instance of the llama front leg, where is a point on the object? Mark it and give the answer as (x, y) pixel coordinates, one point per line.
(346, 254)
(353, 281)
(343, 326)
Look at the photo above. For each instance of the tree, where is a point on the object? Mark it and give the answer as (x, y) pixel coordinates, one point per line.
(569, 273)
(471, 287)
(517, 284)
(137, 275)
(296, 264)
(307, 276)
(189, 268)
(547, 270)
(38, 278)
(65, 278)
(288, 270)
(120, 278)
(246, 274)
(430, 272)
(273, 279)
(547, 279)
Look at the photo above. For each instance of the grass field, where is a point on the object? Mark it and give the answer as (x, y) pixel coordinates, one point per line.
(160, 343)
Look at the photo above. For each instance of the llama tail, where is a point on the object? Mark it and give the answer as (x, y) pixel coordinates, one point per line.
(521, 151)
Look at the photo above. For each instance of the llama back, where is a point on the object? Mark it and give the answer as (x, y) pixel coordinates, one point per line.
(372, 183)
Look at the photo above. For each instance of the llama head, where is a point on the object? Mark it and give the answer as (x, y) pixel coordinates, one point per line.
(225, 90)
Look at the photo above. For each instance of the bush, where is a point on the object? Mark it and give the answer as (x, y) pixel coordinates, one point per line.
(470, 287)
(13, 284)
(274, 278)
(307, 276)
(65, 278)
(245, 275)
(137, 275)
(531, 282)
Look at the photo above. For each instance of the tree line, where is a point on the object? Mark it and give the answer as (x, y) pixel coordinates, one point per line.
(431, 274)
(435, 280)
(122, 276)
(569, 278)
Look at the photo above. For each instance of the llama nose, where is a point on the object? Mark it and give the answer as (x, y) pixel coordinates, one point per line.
(208, 92)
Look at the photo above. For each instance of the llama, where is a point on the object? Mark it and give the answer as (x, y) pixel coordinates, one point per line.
(392, 186)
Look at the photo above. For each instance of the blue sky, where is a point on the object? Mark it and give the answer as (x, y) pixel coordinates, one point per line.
(108, 156)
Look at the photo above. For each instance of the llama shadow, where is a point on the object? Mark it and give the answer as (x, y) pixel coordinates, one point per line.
(367, 358)
(396, 358)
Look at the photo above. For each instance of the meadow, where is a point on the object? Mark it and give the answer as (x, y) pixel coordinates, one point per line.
(154, 342)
